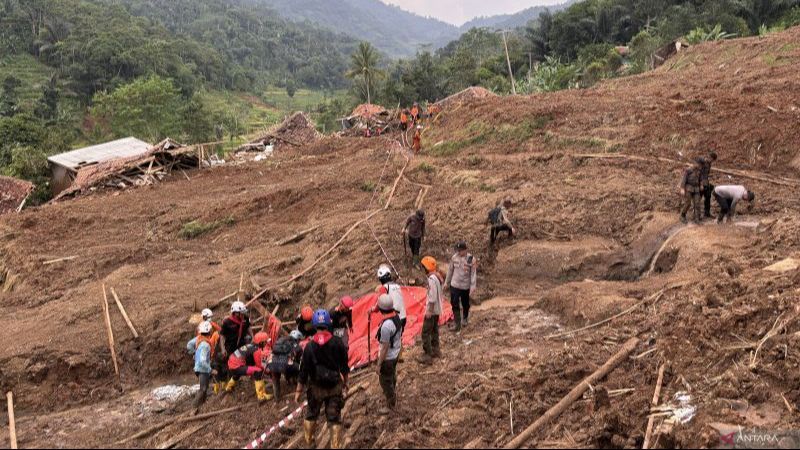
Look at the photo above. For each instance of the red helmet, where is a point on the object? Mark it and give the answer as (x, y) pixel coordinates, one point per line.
(347, 302)
(307, 313)
(260, 338)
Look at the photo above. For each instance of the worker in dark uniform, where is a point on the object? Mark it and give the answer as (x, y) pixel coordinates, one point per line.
(707, 189)
(690, 191)
(324, 372)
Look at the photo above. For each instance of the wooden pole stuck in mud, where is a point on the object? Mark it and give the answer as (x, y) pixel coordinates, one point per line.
(575, 393)
(656, 395)
(110, 332)
(12, 424)
(124, 313)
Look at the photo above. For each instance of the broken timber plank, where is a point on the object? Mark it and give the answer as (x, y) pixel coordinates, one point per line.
(124, 314)
(184, 419)
(656, 395)
(53, 261)
(297, 237)
(177, 439)
(12, 424)
(575, 393)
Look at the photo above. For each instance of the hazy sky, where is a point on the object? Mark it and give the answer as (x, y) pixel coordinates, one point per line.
(459, 11)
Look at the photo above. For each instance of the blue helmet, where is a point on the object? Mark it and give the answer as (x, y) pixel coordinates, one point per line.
(322, 319)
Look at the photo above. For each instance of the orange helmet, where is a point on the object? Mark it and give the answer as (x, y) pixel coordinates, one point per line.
(307, 313)
(429, 263)
(260, 338)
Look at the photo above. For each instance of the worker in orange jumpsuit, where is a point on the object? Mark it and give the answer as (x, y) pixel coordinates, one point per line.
(415, 113)
(404, 120)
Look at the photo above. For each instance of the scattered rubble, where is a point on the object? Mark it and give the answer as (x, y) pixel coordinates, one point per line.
(297, 130)
(143, 170)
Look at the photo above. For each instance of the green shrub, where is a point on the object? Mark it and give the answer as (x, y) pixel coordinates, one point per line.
(196, 228)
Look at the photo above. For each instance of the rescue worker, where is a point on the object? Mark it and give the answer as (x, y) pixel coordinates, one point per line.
(414, 233)
(433, 309)
(248, 361)
(202, 348)
(304, 321)
(728, 197)
(707, 189)
(390, 337)
(388, 286)
(690, 191)
(404, 120)
(285, 360)
(417, 142)
(217, 360)
(462, 277)
(323, 374)
(500, 221)
(236, 332)
(415, 113)
(342, 318)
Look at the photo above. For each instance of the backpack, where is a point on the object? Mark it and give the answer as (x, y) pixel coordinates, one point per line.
(323, 376)
(397, 326)
(494, 216)
(282, 348)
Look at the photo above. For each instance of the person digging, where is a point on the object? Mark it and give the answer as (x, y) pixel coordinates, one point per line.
(499, 221)
(728, 197)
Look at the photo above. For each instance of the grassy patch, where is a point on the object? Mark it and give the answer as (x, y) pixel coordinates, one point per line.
(197, 228)
(368, 186)
(427, 168)
(480, 133)
(486, 188)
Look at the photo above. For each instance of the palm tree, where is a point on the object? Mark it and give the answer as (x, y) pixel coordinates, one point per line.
(364, 63)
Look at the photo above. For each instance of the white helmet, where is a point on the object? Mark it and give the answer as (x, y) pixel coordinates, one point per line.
(204, 327)
(384, 272)
(207, 314)
(385, 303)
(238, 307)
(296, 335)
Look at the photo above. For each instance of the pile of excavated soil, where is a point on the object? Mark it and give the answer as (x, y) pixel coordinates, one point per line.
(12, 192)
(587, 230)
(467, 95)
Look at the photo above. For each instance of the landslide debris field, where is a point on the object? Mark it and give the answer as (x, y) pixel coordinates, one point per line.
(726, 329)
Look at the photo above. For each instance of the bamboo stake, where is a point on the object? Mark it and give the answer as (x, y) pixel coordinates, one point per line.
(575, 393)
(53, 261)
(124, 313)
(239, 292)
(12, 424)
(656, 395)
(110, 332)
(396, 182)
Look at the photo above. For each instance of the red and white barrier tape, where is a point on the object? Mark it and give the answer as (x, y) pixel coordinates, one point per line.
(261, 439)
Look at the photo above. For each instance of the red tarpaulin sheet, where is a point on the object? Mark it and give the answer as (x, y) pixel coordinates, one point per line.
(415, 298)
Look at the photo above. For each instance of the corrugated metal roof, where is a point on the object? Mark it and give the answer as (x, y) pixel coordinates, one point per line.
(123, 148)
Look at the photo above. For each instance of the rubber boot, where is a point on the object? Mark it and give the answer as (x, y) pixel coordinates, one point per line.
(218, 387)
(261, 391)
(309, 433)
(336, 436)
(230, 385)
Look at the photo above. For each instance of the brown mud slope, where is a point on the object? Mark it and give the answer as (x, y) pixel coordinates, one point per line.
(588, 230)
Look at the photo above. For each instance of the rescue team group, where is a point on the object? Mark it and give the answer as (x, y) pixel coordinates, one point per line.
(314, 355)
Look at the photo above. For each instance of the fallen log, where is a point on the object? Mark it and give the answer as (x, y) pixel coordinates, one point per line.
(396, 182)
(177, 439)
(110, 332)
(575, 393)
(297, 237)
(656, 396)
(124, 314)
(12, 424)
(179, 419)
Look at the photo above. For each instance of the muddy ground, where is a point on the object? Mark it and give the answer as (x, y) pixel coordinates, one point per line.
(588, 230)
